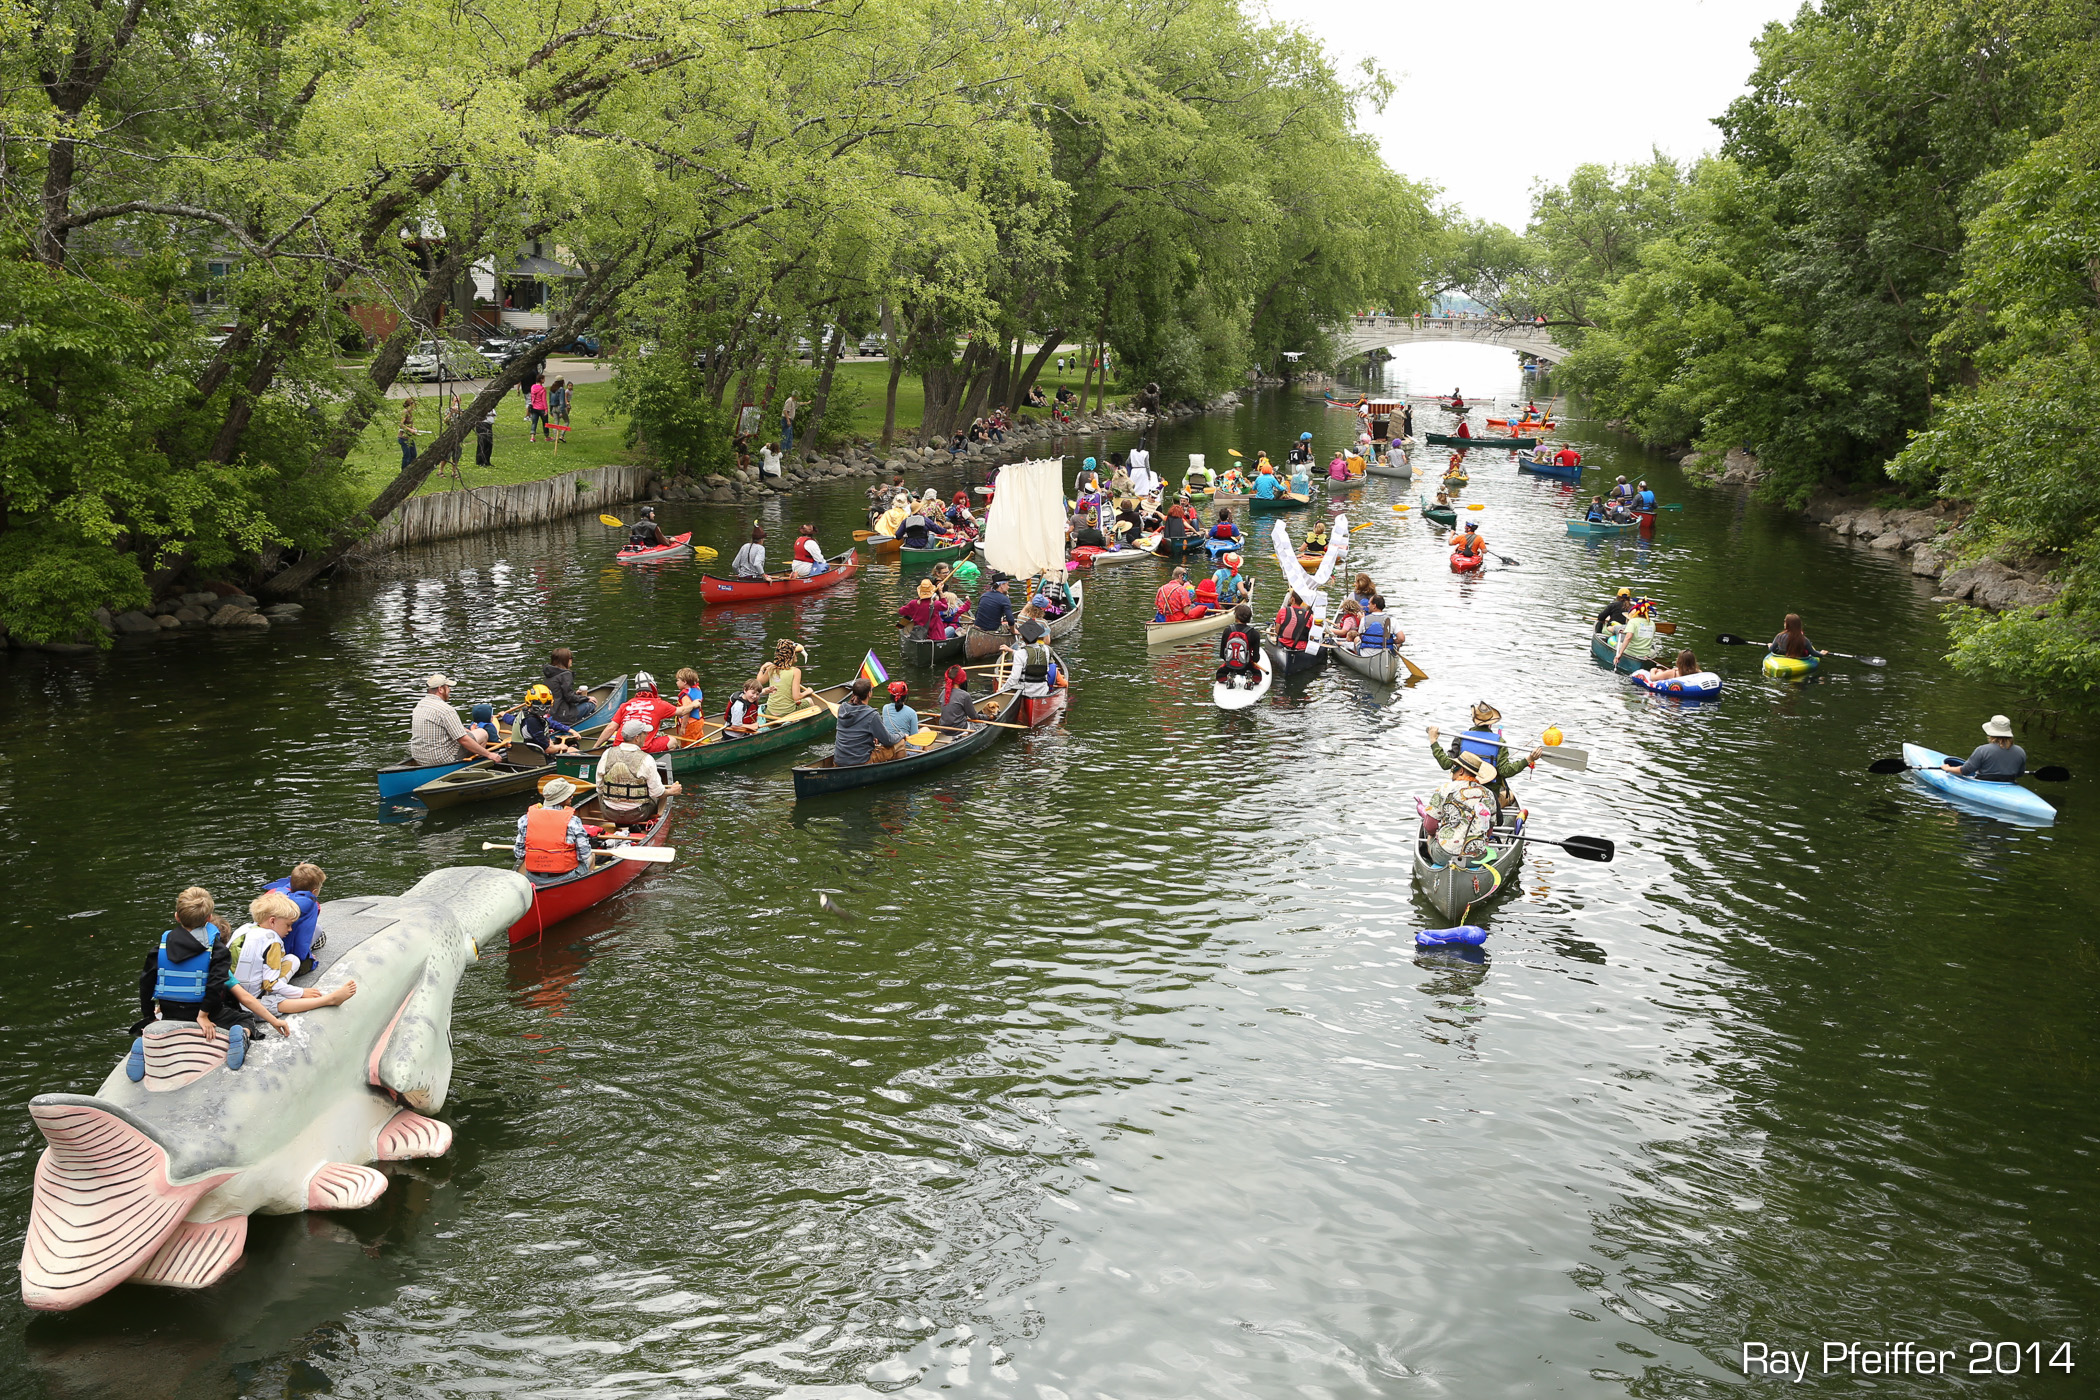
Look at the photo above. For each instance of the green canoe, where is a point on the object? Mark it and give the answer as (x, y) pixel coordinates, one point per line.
(1442, 515)
(919, 558)
(1446, 440)
(714, 750)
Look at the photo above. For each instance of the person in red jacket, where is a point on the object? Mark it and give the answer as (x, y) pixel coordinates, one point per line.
(1174, 602)
(646, 707)
(1567, 456)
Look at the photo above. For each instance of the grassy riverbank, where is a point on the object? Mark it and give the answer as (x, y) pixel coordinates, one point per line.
(597, 434)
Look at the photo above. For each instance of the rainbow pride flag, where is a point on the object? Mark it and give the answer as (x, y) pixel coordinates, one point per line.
(871, 667)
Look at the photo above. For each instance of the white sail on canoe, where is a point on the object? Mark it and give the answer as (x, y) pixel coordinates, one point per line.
(1025, 533)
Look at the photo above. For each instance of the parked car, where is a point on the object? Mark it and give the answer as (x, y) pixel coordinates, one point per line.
(872, 345)
(451, 359)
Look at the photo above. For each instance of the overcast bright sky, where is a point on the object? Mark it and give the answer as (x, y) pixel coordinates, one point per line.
(1494, 94)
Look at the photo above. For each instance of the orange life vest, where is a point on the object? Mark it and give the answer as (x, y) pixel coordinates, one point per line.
(548, 849)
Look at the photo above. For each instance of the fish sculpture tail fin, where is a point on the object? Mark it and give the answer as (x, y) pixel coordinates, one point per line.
(103, 1203)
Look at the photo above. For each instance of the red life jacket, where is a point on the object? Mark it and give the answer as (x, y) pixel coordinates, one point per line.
(1293, 625)
(1464, 431)
(548, 850)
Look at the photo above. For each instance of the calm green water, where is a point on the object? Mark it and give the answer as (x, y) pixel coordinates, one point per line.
(1126, 1079)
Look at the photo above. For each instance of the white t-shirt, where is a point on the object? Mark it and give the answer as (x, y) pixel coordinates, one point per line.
(768, 462)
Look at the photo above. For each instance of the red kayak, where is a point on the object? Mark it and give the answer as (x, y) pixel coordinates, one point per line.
(672, 546)
(572, 894)
(1465, 563)
(760, 590)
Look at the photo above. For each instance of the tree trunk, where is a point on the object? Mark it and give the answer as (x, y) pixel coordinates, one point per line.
(823, 394)
(889, 405)
(1026, 379)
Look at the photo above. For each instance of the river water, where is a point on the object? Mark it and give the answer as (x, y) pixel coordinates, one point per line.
(1122, 1076)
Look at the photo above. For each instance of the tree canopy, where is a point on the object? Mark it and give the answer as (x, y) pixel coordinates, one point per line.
(974, 180)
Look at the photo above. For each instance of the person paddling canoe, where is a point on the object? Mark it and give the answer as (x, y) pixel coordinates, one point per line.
(1485, 741)
(1998, 761)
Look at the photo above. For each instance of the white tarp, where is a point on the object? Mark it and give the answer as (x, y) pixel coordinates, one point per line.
(1025, 533)
(1308, 587)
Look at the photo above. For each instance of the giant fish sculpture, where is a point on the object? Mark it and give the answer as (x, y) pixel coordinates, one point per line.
(154, 1181)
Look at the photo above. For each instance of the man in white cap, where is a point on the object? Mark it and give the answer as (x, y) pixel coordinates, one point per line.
(553, 842)
(1999, 761)
(629, 783)
(436, 734)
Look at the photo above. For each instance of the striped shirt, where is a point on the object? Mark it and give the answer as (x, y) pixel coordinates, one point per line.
(434, 731)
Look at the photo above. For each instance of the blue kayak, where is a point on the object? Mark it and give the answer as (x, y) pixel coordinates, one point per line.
(2005, 801)
(1218, 549)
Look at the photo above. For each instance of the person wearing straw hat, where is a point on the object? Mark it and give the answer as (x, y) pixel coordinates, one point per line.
(1999, 761)
(553, 843)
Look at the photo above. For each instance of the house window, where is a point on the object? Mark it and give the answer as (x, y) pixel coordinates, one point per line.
(211, 291)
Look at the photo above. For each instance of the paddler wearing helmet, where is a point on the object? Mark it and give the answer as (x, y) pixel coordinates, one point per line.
(645, 533)
(1471, 543)
(1484, 741)
(538, 727)
(646, 708)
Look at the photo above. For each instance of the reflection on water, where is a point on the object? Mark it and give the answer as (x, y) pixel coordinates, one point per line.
(1114, 1069)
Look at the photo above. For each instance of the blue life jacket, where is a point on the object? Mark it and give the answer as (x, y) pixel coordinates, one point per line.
(1491, 752)
(1645, 501)
(1596, 513)
(1374, 636)
(299, 941)
(181, 980)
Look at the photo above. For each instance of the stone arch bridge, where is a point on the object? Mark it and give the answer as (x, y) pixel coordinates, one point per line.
(1361, 334)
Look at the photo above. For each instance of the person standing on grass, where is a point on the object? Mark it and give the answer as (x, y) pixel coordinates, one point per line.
(787, 424)
(536, 412)
(452, 457)
(558, 404)
(485, 439)
(406, 434)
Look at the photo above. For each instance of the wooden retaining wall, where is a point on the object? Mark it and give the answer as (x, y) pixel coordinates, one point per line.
(451, 514)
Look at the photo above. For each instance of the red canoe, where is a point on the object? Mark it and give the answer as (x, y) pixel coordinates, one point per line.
(1464, 563)
(672, 545)
(575, 893)
(752, 590)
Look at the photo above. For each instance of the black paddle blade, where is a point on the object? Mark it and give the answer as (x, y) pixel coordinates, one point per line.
(1588, 847)
(1888, 765)
(2052, 774)
(1730, 639)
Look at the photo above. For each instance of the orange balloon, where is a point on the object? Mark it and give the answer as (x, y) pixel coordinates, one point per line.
(1552, 737)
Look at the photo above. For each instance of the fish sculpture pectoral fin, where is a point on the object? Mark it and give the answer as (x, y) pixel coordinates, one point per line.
(343, 1186)
(408, 1134)
(103, 1203)
(197, 1256)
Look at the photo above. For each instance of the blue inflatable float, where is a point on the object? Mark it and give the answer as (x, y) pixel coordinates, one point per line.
(1700, 685)
(1465, 935)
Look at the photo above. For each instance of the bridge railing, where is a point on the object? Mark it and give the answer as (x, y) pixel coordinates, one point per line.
(1454, 325)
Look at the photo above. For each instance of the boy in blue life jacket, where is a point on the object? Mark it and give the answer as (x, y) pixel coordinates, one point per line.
(188, 976)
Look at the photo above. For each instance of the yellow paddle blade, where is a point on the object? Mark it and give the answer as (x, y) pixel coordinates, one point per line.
(705, 555)
(1234, 451)
(1477, 505)
(1365, 526)
(613, 521)
(1401, 507)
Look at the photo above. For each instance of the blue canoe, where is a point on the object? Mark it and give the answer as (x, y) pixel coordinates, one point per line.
(398, 780)
(1553, 469)
(2005, 801)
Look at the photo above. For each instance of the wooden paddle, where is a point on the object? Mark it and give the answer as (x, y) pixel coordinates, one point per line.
(654, 855)
(2052, 774)
(1729, 639)
(994, 723)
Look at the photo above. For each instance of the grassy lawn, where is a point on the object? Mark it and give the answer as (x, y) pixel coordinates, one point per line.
(596, 435)
(595, 440)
